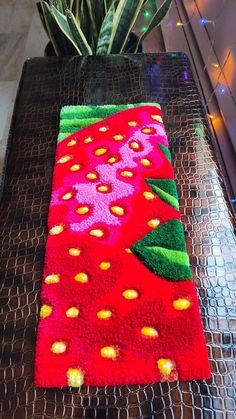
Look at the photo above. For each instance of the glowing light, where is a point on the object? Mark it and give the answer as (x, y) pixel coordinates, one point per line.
(179, 24)
(147, 14)
(215, 65)
(203, 21)
(143, 29)
(221, 90)
(210, 116)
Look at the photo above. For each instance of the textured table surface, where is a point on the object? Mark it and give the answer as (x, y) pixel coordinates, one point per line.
(46, 85)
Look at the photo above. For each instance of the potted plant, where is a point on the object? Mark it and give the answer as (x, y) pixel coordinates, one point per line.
(87, 27)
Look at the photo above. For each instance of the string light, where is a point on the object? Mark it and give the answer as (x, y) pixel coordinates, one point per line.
(221, 90)
(147, 14)
(204, 21)
(210, 116)
(143, 29)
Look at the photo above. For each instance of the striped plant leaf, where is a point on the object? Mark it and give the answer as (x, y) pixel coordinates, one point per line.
(52, 29)
(92, 18)
(77, 34)
(57, 4)
(105, 32)
(63, 25)
(125, 17)
(156, 20)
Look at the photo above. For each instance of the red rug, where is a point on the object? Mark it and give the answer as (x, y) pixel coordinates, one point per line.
(118, 303)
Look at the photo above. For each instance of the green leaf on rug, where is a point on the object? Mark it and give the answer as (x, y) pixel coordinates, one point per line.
(166, 190)
(163, 251)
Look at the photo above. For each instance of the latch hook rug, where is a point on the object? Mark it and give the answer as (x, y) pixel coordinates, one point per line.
(118, 303)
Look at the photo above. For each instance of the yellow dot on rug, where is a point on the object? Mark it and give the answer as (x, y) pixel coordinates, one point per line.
(104, 266)
(153, 223)
(56, 230)
(71, 143)
(52, 279)
(109, 352)
(130, 294)
(100, 151)
(127, 173)
(134, 145)
(104, 314)
(82, 210)
(117, 210)
(148, 195)
(45, 311)
(58, 347)
(67, 196)
(81, 277)
(165, 366)
(97, 232)
(103, 188)
(88, 140)
(157, 118)
(132, 123)
(149, 332)
(64, 159)
(75, 377)
(72, 312)
(145, 162)
(112, 160)
(91, 176)
(181, 304)
(75, 167)
(103, 129)
(147, 130)
(118, 137)
(74, 251)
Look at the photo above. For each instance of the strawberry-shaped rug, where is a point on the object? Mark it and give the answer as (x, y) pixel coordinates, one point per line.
(118, 302)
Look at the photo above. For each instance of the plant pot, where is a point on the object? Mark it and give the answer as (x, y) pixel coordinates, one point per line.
(50, 52)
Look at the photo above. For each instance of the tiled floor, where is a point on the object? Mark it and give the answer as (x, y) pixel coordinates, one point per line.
(22, 36)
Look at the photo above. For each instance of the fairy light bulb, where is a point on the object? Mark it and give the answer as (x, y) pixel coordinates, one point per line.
(221, 90)
(204, 21)
(179, 24)
(147, 14)
(143, 29)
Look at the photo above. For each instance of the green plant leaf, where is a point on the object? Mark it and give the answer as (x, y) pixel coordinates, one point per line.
(58, 5)
(92, 18)
(156, 20)
(105, 32)
(42, 17)
(52, 28)
(125, 17)
(77, 34)
(63, 25)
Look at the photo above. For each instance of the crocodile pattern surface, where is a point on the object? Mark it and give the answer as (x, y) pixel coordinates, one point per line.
(47, 84)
